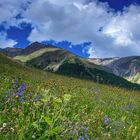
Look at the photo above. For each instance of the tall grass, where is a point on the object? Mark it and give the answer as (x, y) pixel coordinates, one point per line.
(45, 106)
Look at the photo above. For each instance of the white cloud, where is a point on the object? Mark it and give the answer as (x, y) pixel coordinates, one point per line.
(5, 42)
(78, 21)
(72, 21)
(9, 9)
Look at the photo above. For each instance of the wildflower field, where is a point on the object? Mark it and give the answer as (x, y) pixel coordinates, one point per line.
(36, 105)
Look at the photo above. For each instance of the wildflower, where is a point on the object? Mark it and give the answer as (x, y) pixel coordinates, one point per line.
(15, 83)
(21, 100)
(19, 94)
(107, 120)
(22, 87)
(4, 125)
(81, 138)
(17, 97)
(86, 129)
(87, 135)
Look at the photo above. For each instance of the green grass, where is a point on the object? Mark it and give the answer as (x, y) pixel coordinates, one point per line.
(55, 107)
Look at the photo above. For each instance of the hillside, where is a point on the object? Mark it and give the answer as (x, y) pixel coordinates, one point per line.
(127, 67)
(42, 105)
(42, 56)
(54, 59)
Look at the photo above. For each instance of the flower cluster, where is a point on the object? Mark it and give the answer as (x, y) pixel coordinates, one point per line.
(20, 92)
(107, 120)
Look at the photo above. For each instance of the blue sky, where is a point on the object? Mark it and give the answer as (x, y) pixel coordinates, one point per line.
(89, 28)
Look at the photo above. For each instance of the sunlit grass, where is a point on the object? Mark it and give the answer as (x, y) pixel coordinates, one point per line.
(45, 106)
(25, 58)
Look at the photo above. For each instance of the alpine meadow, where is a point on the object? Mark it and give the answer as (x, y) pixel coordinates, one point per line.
(69, 70)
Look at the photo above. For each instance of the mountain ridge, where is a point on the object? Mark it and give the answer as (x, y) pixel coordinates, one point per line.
(127, 67)
(55, 59)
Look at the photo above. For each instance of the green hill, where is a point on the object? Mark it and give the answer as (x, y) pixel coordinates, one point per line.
(64, 62)
(42, 105)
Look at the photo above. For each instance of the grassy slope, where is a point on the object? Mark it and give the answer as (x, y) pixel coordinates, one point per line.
(59, 107)
(79, 70)
(67, 63)
(25, 58)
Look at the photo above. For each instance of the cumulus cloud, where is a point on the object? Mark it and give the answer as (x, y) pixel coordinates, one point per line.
(10, 10)
(111, 33)
(77, 21)
(72, 21)
(5, 42)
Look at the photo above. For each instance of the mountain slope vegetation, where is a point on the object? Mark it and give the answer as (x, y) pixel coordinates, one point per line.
(51, 58)
(127, 67)
(41, 105)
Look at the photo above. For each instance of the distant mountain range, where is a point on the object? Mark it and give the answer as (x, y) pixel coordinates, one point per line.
(54, 59)
(126, 67)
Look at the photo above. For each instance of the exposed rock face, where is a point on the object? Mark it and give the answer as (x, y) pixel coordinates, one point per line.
(48, 57)
(32, 48)
(128, 67)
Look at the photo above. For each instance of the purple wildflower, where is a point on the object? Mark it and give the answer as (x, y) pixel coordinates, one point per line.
(22, 87)
(19, 94)
(107, 120)
(21, 100)
(15, 83)
(87, 134)
(86, 129)
(81, 138)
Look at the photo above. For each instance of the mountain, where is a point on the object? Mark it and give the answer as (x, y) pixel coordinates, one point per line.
(127, 67)
(41, 105)
(12, 51)
(54, 59)
(32, 48)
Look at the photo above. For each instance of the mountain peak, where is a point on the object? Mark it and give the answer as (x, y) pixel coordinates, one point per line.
(35, 46)
(36, 43)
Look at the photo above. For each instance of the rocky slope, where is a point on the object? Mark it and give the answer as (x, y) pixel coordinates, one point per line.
(54, 59)
(127, 67)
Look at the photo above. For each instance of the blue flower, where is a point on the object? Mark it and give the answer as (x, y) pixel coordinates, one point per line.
(22, 87)
(15, 83)
(19, 94)
(87, 136)
(86, 129)
(81, 138)
(87, 133)
(107, 120)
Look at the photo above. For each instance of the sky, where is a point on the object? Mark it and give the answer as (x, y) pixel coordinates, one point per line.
(89, 28)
